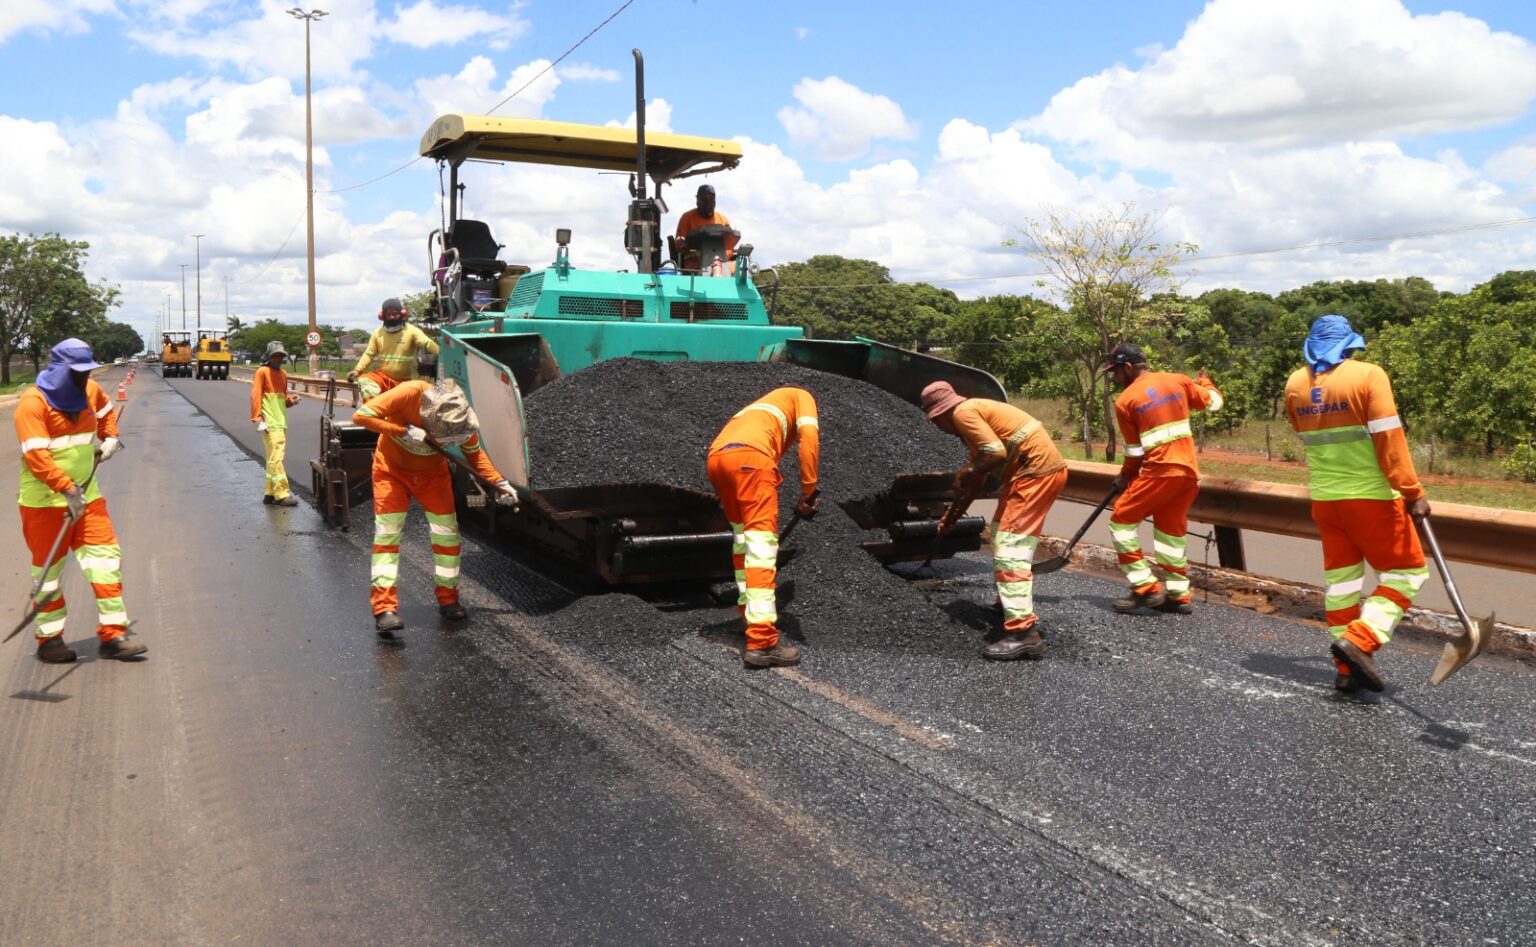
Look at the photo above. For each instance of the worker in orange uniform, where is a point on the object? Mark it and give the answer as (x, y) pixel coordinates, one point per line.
(703, 214)
(394, 345)
(270, 402)
(1365, 495)
(414, 421)
(1004, 440)
(1159, 477)
(57, 422)
(744, 469)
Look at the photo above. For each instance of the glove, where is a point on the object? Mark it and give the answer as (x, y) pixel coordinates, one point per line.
(109, 447)
(352, 375)
(76, 500)
(416, 434)
(806, 508)
(261, 426)
(291, 400)
(506, 495)
(1120, 483)
(1419, 509)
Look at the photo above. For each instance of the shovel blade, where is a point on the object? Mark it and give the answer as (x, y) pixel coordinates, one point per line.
(1462, 649)
(1051, 565)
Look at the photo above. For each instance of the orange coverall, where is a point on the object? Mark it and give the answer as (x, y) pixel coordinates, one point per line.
(269, 402)
(744, 469)
(58, 452)
(1360, 473)
(1161, 474)
(403, 469)
(1032, 475)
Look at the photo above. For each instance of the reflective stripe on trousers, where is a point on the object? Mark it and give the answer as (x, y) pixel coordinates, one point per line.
(1166, 500)
(747, 482)
(96, 548)
(1379, 532)
(392, 494)
(276, 444)
(1016, 527)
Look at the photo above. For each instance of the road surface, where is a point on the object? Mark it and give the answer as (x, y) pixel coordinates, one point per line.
(569, 770)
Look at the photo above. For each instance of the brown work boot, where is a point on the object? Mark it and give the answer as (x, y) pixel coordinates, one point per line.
(289, 500)
(1362, 667)
(453, 611)
(55, 651)
(386, 624)
(1138, 600)
(780, 655)
(120, 648)
(1176, 606)
(1011, 647)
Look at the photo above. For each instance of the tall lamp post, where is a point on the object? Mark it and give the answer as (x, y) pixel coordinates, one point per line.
(199, 238)
(309, 174)
(183, 296)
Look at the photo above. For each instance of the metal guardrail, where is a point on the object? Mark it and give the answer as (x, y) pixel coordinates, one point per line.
(1503, 539)
(314, 385)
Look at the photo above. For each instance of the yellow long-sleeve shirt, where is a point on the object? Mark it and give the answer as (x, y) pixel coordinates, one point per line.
(396, 351)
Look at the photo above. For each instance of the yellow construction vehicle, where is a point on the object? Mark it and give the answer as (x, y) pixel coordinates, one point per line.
(212, 354)
(176, 354)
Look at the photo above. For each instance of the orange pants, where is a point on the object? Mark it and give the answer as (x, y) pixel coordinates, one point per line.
(1167, 501)
(372, 384)
(1016, 530)
(392, 493)
(747, 482)
(95, 545)
(1380, 532)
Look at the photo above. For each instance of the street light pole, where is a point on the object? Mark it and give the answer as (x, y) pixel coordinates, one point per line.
(199, 238)
(183, 296)
(309, 173)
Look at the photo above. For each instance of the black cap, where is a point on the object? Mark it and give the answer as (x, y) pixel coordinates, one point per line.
(1126, 353)
(391, 303)
(706, 189)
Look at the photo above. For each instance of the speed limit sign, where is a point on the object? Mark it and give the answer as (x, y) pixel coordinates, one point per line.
(313, 338)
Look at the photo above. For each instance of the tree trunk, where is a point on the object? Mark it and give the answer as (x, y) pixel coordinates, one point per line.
(1110, 429)
(5, 365)
(1488, 444)
(1085, 410)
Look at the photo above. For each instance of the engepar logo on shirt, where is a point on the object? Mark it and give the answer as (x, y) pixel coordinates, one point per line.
(1321, 405)
(1155, 400)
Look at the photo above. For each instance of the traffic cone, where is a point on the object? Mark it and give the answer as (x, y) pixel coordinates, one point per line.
(122, 391)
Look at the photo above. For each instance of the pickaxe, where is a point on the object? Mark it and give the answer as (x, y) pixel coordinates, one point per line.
(1057, 562)
(1467, 645)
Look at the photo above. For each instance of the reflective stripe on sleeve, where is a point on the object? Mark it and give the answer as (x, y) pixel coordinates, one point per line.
(106, 409)
(1383, 424)
(1132, 450)
(34, 443)
(765, 406)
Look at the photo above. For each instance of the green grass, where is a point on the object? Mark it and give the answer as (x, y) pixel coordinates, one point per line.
(19, 380)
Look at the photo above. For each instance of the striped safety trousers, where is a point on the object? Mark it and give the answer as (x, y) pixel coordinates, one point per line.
(1380, 532)
(747, 482)
(1016, 530)
(392, 493)
(95, 545)
(1167, 501)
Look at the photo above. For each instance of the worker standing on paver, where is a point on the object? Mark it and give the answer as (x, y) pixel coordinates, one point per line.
(270, 402)
(1159, 477)
(744, 470)
(57, 422)
(414, 420)
(394, 346)
(1365, 495)
(1007, 441)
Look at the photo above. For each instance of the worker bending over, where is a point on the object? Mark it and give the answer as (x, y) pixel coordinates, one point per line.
(1365, 495)
(414, 421)
(1008, 442)
(1159, 476)
(744, 469)
(270, 402)
(57, 422)
(394, 346)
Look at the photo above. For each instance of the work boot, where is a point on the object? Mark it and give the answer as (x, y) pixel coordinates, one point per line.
(267, 500)
(1174, 606)
(386, 624)
(1153, 599)
(1362, 667)
(289, 500)
(55, 651)
(780, 655)
(453, 611)
(1011, 647)
(120, 648)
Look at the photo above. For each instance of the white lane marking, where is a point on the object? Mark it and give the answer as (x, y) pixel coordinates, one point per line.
(1261, 693)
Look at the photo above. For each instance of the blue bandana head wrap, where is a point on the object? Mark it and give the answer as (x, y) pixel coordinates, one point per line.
(58, 388)
(1330, 342)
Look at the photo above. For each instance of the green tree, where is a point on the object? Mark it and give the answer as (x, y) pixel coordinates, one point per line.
(233, 324)
(110, 340)
(1369, 305)
(45, 296)
(833, 297)
(1005, 336)
(256, 337)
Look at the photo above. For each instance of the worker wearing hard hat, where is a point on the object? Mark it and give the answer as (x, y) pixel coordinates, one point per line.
(415, 420)
(744, 469)
(1159, 477)
(58, 421)
(1365, 495)
(394, 345)
(270, 402)
(1009, 442)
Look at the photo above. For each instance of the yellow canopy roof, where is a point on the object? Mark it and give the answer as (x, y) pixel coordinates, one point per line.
(537, 141)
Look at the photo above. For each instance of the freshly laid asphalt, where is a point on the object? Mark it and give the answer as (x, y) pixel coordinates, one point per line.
(593, 770)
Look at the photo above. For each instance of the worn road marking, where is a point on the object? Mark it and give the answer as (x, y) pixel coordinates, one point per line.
(910, 729)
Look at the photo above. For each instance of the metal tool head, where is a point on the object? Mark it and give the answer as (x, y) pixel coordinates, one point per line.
(1462, 649)
(1053, 564)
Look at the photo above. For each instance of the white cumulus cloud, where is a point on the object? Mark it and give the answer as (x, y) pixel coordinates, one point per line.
(841, 119)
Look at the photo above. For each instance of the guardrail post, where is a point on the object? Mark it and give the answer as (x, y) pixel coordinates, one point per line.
(1229, 548)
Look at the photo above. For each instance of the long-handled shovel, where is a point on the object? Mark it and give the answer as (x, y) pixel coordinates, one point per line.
(1057, 562)
(1466, 646)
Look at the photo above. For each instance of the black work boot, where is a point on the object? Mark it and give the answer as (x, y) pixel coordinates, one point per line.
(1154, 599)
(1174, 606)
(267, 500)
(120, 648)
(1362, 667)
(453, 611)
(1011, 647)
(779, 656)
(386, 624)
(55, 651)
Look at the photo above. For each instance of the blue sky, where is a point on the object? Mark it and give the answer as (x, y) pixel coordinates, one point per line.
(917, 135)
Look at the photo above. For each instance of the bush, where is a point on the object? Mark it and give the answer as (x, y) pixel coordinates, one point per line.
(1520, 464)
(1289, 450)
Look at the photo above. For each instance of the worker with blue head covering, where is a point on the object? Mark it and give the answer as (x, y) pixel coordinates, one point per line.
(1365, 494)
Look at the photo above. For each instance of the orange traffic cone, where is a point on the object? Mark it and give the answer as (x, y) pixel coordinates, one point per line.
(122, 391)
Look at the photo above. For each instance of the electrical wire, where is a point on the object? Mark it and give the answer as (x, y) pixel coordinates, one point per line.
(291, 231)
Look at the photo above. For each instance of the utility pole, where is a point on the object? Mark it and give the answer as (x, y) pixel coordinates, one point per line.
(226, 302)
(199, 238)
(309, 172)
(183, 296)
